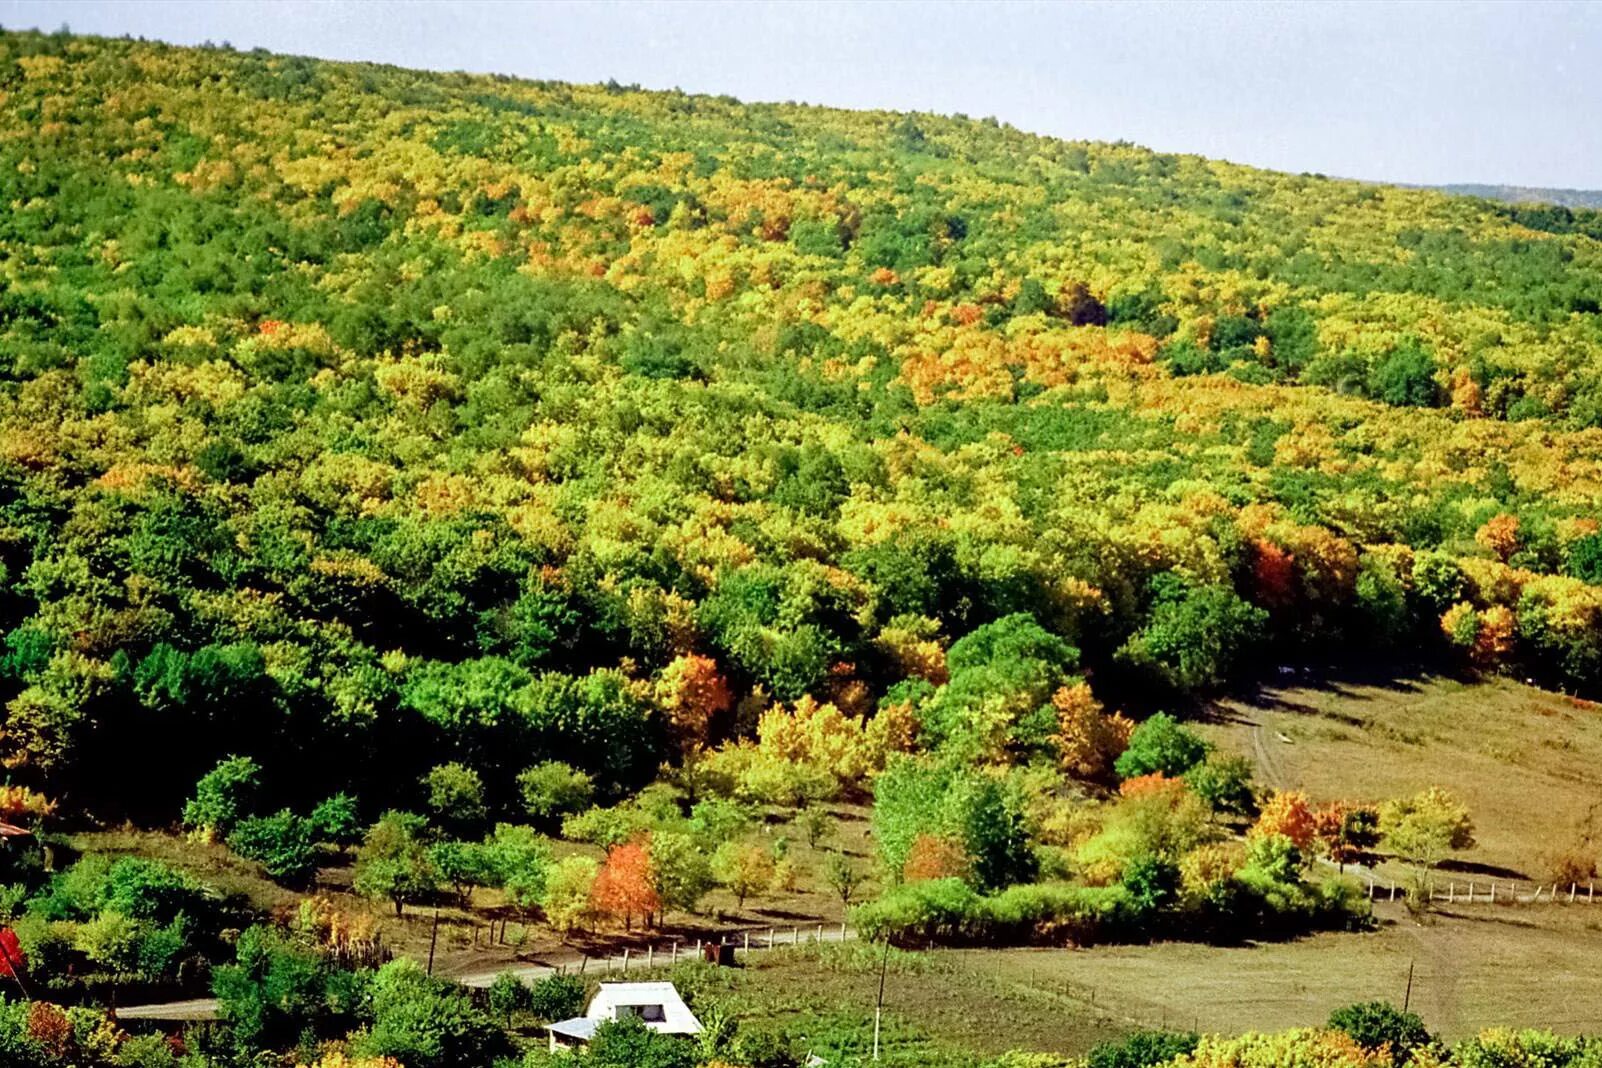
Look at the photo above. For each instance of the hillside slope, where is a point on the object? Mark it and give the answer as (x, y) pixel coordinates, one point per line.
(356, 418)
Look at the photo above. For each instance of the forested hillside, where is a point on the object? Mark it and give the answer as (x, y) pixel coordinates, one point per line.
(358, 420)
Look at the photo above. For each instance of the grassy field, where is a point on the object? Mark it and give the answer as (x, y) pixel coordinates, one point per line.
(1512, 966)
(1525, 761)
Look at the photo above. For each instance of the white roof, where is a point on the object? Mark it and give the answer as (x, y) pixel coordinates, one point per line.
(677, 1019)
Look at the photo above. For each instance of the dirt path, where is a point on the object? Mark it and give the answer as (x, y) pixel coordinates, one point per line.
(1269, 767)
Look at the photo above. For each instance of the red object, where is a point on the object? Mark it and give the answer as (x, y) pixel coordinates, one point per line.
(12, 959)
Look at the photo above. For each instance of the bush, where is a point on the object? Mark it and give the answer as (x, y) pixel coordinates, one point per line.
(1376, 1025)
(425, 1022)
(223, 796)
(1143, 1049)
(1225, 783)
(282, 843)
(557, 997)
(553, 789)
(337, 821)
(456, 798)
(1160, 746)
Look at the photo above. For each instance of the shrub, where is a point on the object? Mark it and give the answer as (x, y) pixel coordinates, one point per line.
(1143, 1049)
(553, 789)
(1161, 746)
(282, 843)
(337, 821)
(456, 798)
(1377, 1025)
(223, 797)
(557, 997)
(1225, 783)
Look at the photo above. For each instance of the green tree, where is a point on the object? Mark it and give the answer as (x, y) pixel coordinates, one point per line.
(1378, 1025)
(282, 843)
(683, 873)
(224, 795)
(426, 1023)
(1161, 745)
(508, 995)
(337, 821)
(393, 862)
(1405, 377)
(456, 798)
(552, 789)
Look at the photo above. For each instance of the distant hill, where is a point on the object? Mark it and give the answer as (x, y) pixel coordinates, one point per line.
(1521, 194)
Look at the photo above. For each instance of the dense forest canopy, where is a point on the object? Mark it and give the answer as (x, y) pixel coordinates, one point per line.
(357, 419)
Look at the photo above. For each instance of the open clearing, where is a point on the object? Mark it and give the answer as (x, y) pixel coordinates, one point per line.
(1513, 966)
(1528, 763)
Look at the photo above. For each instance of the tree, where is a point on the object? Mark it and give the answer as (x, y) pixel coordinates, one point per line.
(393, 861)
(842, 876)
(552, 789)
(223, 796)
(1346, 830)
(682, 871)
(508, 995)
(691, 692)
(628, 1043)
(337, 821)
(1225, 783)
(1143, 1049)
(1088, 740)
(744, 869)
(816, 824)
(1378, 1025)
(1161, 746)
(456, 798)
(557, 997)
(1287, 813)
(283, 843)
(625, 886)
(1197, 636)
(569, 887)
(1405, 377)
(463, 865)
(424, 1022)
(520, 862)
(1425, 827)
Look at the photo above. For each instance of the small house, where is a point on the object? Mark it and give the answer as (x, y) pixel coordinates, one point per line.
(657, 1005)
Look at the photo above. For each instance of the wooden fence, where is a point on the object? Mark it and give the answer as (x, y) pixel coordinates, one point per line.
(1491, 892)
(651, 955)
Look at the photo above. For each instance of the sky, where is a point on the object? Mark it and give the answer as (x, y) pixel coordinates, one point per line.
(1431, 93)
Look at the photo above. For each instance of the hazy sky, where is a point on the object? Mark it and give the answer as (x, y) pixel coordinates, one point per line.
(1420, 92)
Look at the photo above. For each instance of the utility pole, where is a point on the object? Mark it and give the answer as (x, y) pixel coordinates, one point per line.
(878, 1008)
(433, 938)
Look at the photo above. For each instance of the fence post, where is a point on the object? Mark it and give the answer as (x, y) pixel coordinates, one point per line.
(584, 960)
(795, 935)
(1571, 893)
(625, 960)
(820, 934)
(770, 938)
(650, 955)
(1451, 893)
(842, 931)
(698, 949)
(1371, 888)
(1471, 891)
(1393, 891)
(675, 951)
